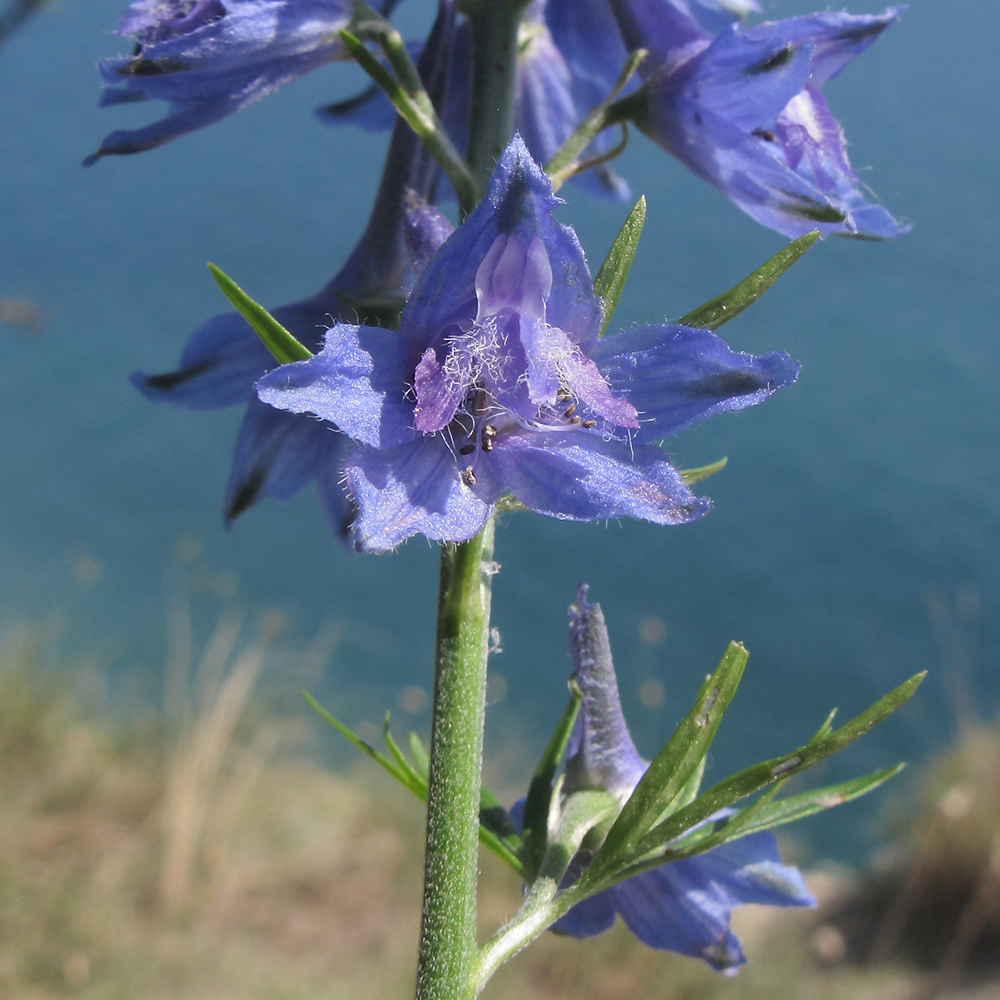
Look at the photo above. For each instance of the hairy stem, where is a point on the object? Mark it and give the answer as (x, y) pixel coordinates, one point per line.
(447, 936)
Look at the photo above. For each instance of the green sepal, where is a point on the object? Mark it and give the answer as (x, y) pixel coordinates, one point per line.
(276, 338)
(610, 280)
(723, 308)
(670, 770)
(779, 769)
(496, 830)
(539, 798)
(691, 476)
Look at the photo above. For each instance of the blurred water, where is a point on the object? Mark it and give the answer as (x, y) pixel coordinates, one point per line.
(849, 500)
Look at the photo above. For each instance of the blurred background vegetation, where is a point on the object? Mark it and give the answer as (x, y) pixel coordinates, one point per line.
(203, 852)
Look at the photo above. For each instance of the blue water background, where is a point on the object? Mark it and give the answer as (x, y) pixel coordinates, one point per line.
(848, 498)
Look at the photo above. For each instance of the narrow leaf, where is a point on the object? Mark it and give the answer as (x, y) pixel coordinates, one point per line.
(504, 847)
(419, 754)
(726, 792)
(536, 805)
(415, 778)
(670, 770)
(401, 776)
(610, 280)
(691, 476)
(275, 337)
(724, 307)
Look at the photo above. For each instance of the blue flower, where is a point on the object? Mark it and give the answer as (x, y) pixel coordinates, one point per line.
(744, 110)
(278, 453)
(682, 906)
(209, 59)
(498, 382)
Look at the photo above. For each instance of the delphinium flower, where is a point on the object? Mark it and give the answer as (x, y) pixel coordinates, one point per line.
(498, 382)
(209, 59)
(278, 453)
(744, 110)
(682, 906)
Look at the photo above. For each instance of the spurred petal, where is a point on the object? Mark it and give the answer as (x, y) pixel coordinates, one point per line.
(601, 754)
(357, 382)
(677, 376)
(416, 489)
(579, 476)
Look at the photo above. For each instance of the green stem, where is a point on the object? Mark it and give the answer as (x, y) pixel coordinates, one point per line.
(448, 931)
(494, 25)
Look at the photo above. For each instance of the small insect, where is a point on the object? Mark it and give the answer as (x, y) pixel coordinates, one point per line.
(766, 134)
(489, 433)
(468, 476)
(570, 410)
(574, 420)
(588, 423)
(467, 449)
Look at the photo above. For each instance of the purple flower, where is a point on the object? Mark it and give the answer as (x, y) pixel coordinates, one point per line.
(743, 110)
(497, 382)
(681, 906)
(209, 59)
(278, 453)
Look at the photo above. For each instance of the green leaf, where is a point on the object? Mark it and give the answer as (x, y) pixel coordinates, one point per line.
(724, 307)
(670, 770)
(726, 792)
(419, 754)
(416, 779)
(536, 805)
(610, 280)
(496, 832)
(275, 337)
(691, 476)
(403, 777)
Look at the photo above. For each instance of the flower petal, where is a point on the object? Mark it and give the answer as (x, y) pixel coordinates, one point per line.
(414, 489)
(278, 453)
(357, 382)
(579, 476)
(678, 376)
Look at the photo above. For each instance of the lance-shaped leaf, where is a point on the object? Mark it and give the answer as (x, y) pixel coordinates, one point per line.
(670, 770)
(539, 798)
(723, 308)
(610, 280)
(725, 793)
(276, 338)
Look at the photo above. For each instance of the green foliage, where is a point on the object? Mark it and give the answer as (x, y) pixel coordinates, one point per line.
(723, 308)
(610, 280)
(276, 338)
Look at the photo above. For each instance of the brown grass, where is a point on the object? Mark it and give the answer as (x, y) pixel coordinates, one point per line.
(205, 861)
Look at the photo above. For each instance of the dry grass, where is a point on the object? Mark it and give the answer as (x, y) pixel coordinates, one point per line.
(205, 861)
